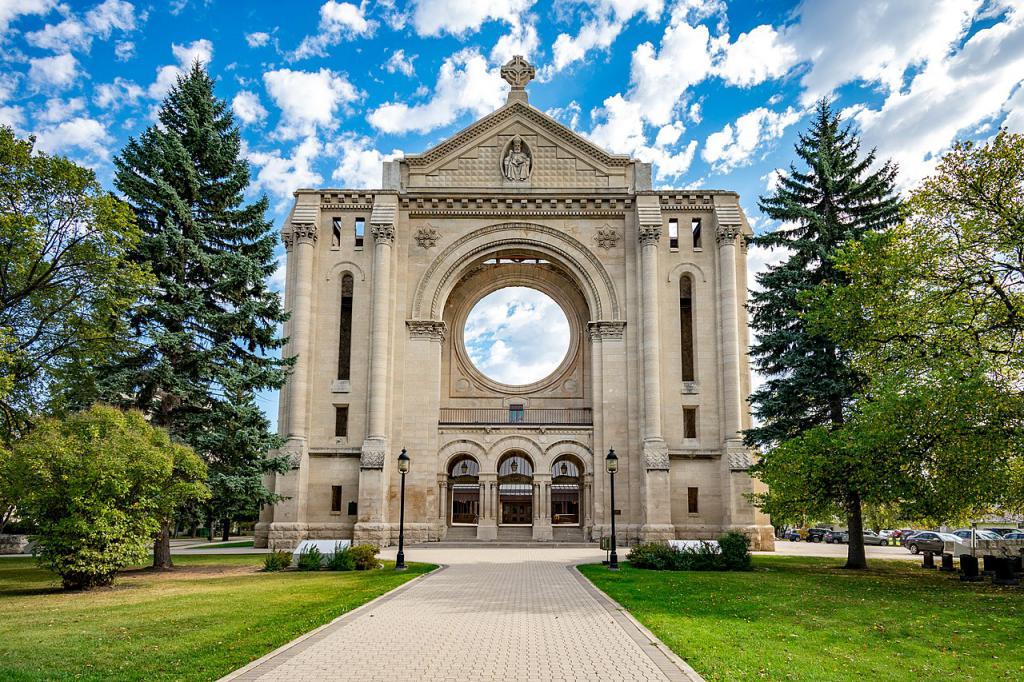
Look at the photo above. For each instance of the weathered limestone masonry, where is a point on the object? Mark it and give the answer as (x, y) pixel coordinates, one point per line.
(379, 285)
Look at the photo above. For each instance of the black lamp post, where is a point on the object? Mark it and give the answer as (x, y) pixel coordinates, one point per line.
(611, 463)
(403, 468)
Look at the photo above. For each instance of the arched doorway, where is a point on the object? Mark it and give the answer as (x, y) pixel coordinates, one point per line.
(515, 490)
(566, 484)
(464, 491)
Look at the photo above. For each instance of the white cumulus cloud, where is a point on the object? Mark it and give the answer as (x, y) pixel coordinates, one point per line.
(81, 133)
(11, 10)
(247, 107)
(308, 99)
(359, 164)
(436, 17)
(734, 146)
(399, 63)
(281, 175)
(59, 71)
(74, 33)
(338, 21)
(465, 83)
(166, 76)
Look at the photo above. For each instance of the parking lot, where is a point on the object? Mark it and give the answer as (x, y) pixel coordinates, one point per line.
(824, 549)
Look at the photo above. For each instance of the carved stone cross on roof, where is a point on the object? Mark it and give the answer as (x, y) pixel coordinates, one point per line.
(518, 72)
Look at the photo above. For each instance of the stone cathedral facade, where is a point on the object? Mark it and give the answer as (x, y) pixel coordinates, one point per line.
(380, 283)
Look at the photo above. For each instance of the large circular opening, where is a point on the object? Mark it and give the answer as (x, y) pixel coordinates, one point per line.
(516, 335)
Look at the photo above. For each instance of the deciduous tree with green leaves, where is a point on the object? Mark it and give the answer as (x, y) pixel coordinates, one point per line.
(208, 328)
(810, 382)
(933, 311)
(98, 485)
(66, 281)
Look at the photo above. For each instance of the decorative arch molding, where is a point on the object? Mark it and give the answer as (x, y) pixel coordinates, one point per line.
(690, 268)
(528, 447)
(343, 266)
(569, 447)
(444, 272)
(458, 448)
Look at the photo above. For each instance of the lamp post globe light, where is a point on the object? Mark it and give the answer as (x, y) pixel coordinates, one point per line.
(611, 463)
(403, 468)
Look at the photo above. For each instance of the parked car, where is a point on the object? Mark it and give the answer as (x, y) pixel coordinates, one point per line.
(817, 534)
(965, 533)
(1015, 535)
(930, 541)
(888, 533)
(1003, 531)
(837, 537)
(793, 535)
(905, 534)
(872, 538)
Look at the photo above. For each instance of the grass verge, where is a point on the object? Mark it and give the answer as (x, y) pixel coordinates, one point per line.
(222, 545)
(207, 617)
(800, 618)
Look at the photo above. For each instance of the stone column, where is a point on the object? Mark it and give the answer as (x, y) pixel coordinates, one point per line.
(729, 316)
(657, 499)
(372, 526)
(542, 506)
(288, 525)
(487, 526)
(418, 413)
(610, 420)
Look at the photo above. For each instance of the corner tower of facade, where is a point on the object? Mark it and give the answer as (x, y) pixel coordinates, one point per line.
(380, 283)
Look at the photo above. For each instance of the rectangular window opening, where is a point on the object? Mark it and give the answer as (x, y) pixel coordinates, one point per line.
(689, 422)
(516, 414)
(336, 233)
(335, 498)
(352, 508)
(673, 233)
(360, 231)
(341, 421)
(695, 231)
(691, 501)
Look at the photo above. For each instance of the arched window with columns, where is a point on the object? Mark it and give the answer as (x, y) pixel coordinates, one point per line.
(464, 484)
(566, 491)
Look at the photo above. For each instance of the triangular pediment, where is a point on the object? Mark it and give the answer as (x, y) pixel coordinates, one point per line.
(558, 157)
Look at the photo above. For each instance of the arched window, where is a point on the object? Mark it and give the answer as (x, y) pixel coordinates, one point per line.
(515, 490)
(565, 492)
(686, 327)
(464, 482)
(345, 329)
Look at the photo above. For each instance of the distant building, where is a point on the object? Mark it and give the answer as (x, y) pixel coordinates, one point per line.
(379, 285)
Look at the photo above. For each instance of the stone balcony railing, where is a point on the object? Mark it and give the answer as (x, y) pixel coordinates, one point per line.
(487, 416)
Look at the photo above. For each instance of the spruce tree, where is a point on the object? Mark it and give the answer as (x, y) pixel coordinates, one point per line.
(208, 328)
(810, 380)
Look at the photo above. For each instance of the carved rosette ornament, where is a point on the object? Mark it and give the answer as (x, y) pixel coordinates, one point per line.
(607, 238)
(727, 234)
(426, 237)
(650, 234)
(434, 330)
(383, 233)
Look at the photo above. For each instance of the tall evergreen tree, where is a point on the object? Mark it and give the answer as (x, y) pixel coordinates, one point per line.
(208, 327)
(810, 380)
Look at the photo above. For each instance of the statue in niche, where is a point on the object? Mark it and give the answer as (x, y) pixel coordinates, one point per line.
(517, 163)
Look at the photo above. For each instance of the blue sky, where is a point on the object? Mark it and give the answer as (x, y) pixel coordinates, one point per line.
(712, 94)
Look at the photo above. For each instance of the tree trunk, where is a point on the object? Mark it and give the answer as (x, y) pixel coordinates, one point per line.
(855, 557)
(226, 531)
(209, 530)
(162, 546)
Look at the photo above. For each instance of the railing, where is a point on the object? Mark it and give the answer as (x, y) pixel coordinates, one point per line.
(571, 416)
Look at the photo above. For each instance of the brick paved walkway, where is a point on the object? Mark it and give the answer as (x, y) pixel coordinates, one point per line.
(489, 615)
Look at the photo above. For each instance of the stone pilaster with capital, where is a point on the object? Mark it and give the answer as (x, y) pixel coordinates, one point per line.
(435, 330)
(606, 329)
(649, 234)
(383, 233)
(727, 234)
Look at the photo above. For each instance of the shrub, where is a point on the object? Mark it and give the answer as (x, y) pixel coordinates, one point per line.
(98, 485)
(703, 557)
(277, 561)
(654, 555)
(341, 560)
(735, 551)
(310, 559)
(364, 557)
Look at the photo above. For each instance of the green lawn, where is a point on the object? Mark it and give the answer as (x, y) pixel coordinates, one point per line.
(796, 618)
(209, 616)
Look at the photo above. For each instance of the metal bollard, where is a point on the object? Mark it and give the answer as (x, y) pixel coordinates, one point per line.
(969, 568)
(947, 563)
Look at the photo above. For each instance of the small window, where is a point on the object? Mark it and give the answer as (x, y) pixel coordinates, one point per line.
(673, 234)
(341, 421)
(336, 234)
(352, 508)
(695, 231)
(689, 422)
(516, 414)
(691, 501)
(360, 231)
(335, 498)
